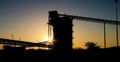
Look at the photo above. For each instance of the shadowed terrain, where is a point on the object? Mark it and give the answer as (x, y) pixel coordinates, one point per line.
(77, 55)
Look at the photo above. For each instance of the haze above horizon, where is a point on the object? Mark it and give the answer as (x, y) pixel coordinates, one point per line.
(27, 19)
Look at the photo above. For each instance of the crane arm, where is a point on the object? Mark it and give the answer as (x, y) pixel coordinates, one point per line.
(92, 19)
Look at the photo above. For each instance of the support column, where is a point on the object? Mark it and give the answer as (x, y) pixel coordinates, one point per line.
(104, 35)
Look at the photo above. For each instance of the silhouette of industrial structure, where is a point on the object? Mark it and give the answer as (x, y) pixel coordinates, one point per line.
(61, 26)
(62, 31)
(17, 44)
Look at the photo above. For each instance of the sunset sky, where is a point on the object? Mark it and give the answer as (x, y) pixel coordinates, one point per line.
(27, 19)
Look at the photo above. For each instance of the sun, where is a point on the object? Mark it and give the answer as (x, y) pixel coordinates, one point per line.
(46, 39)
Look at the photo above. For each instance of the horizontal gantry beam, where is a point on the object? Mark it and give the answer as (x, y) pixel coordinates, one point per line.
(22, 43)
(89, 19)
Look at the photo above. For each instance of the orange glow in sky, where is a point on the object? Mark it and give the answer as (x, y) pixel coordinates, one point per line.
(27, 19)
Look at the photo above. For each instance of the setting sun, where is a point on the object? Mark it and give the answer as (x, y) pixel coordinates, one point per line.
(46, 38)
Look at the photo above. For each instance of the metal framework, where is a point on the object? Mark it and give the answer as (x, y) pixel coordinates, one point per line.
(89, 19)
(23, 43)
(81, 18)
(104, 21)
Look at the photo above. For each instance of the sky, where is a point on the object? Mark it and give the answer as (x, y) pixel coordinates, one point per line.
(27, 19)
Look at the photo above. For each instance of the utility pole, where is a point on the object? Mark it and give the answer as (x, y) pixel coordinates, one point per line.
(104, 35)
(20, 39)
(116, 3)
(12, 37)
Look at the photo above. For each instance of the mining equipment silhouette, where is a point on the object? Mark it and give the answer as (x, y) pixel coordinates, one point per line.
(62, 27)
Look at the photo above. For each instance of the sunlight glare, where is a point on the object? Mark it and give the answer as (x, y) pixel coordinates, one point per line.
(46, 39)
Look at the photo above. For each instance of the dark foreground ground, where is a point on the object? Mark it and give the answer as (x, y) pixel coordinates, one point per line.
(78, 55)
